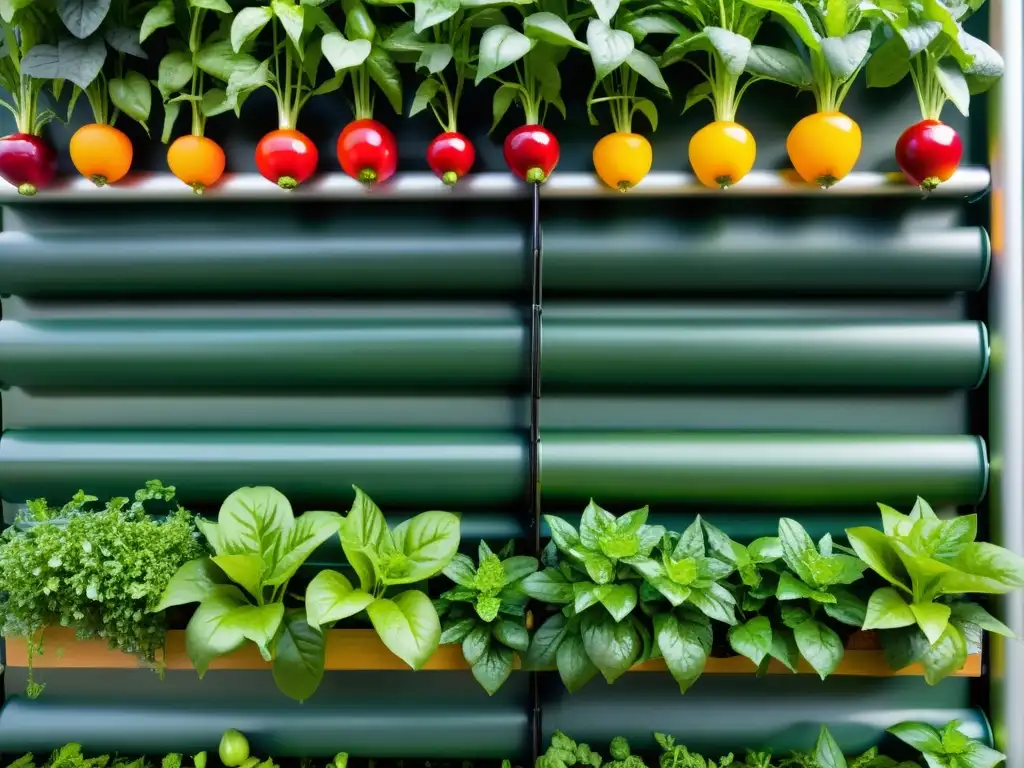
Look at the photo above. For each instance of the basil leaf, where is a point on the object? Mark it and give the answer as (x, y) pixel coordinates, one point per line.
(461, 569)
(299, 654)
(932, 618)
(500, 46)
(619, 600)
(248, 23)
(512, 634)
(682, 645)
(258, 623)
(574, 665)
(309, 531)
(518, 568)
(549, 586)
(493, 668)
(612, 647)
(191, 583)
(407, 625)
(752, 639)
(848, 608)
(206, 636)
(545, 643)
(428, 542)
(476, 643)
(920, 736)
(827, 753)
(457, 631)
(945, 656)
(244, 570)
(330, 597)
(953, 83)
(819, 645)
(364, 530)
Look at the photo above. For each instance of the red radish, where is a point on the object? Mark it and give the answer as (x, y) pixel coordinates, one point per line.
(929, 153)
(27, 162)
(286, 157)
(450, 156)
(531, 152)
(367, 151)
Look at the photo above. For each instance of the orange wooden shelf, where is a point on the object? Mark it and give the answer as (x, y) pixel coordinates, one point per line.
(361, 649)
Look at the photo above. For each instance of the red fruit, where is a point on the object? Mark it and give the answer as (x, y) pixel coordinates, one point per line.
(286, 157)
(531, 152)
(27, 162)
(367, 151)
(450, 156)
(929, 153)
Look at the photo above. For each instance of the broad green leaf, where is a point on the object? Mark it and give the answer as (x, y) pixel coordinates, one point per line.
(549, 586)
(545, 643)
(549, 28)
(425, 93)
(292, 21)
(330, 597)
(458, 631)
(430, 13)
(605, 9)
(191, 583)
(427, 543)
(648, 109)
(82, 17)
(872, 546)
(619, 600)
(793, 13)
(175, 72)
(574, 665)
(214, 102)
(953, 83)
(791, 588)
(503, 98)
(500, 46)
(79, 61)
(797, 548)
(133, 95)
(989, 568)
(518, 568)
(888, 610)
(298, 656)
(918, 37)
(779, 65)
(641, 26)
(784, 648)
(221, 6)
(256, 519)
(978, 755)
(836, 17)
(244, 570)
(363, 532)
(385, 74)
(405, 39)
(124, 39)
(258, 623)
(493, 668)
(986, 66)
(476, 643)
(310, 530)
(933, 618)
(612, 646)
(343, 54)
(435, 58)
(922, 737)
(827, 753)
(888, 65)
(945, 656)
(408, 626)
(690, 543)
(683, 647)
(598, 567)
(819, 645)
(631, 522)
(697, 94)
(595, 524)
(159, 16)
(972, 613)
(512, 634)
(609, 48)
(586, 594)
(733, 50)
(715, 602)
(206, 636)
(936, 10)
(248, 23)
(848, 608)
(752, 639)
(461, 569)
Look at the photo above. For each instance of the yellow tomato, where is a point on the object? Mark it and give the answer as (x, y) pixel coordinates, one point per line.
(101, 153)
(622, 160)
(722, 153)
(197, 161)
(824, 147)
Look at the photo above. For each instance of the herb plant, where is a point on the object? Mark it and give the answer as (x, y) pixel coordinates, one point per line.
(414, 551)
(258, 546)
(946, 63)
(98, 572)
(485, 611)
(948, 747)
(928, 562)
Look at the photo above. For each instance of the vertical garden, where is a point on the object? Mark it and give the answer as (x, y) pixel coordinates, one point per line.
(567, 383)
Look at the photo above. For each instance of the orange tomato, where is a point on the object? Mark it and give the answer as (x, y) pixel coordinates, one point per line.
(197, 161)
(824, 147)
(722, 153)
(622, 160)
(101, 153)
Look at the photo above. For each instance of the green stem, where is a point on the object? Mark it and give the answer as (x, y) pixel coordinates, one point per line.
(723, 91)
(930, 95)
(449, 124)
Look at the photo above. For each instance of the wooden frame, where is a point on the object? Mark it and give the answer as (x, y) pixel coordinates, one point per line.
(361, 649)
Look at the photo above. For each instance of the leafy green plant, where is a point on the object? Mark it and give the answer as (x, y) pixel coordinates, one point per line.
(258, 546)
(928, 562)
(563, 752)
(414, 551)
(948, 747)
(828, 754)
(486, 610)
(24, 28)
(98, 572)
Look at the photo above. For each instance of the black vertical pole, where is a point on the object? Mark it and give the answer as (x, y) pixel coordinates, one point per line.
(534, 447)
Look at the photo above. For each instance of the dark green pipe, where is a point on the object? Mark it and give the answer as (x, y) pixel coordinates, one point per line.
(337, 256)
(418, 469)
(764, 354)
(762, 469)
(721, 713)
(260, 354)
(669, 255)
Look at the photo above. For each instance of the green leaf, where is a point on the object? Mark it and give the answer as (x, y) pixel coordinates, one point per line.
(82, 17)
(889, 64)
(133, 95)
(986, 568)
(848, 608)
(330, 597)
(292, 20)
(978, 755)
(827, 753)
(836, 17)
(512, 634)
(79, 61)
(343, 54)
(298, 656)
(920, 736)
(457, 632)
(221, 6)
(598, 567)
(972, 613)
(549, 586)
(945, 656)
(254, 520)
(684, 647)
(953, 83)
(784, 648)
(500, 46)
(248, 23)
(244, 570)
(461, 569)
(796, 18)
(493, 668)
(733, 50)
(425, 93)
(918, 37)
(986, 67)
(574, 665)
(124, 39)
(545, 643)
(609, 48)
(476, 643)
(697, 94)
(549, 28)
(258, 623)
(586, 594)
(363, 532)
(214, 102)
(752, 639)
(175, 72)
(791, 588)
(715, 602)
(844, 55)
(518, 568)
(428, 541)
(430, 13)
(206, 636)
(819, 645)
(619, 600)
(386, 75)
(779, 65)
(612, 646)
(435, 58)
(647, 108)
(191, 583)
(933, 618)
(503, 98)
(159, 16)
(873, 548)
(641, 26)
(648, 69)
(605, 9)
(408, 626)
(310, 530)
